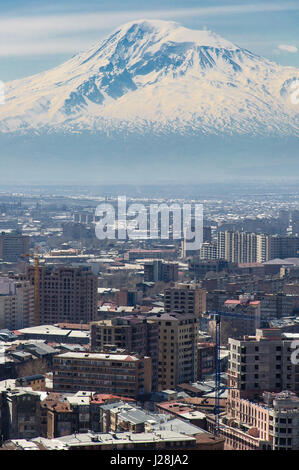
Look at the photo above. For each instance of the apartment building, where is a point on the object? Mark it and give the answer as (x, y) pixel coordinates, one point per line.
(117, 373)
(237, 247)
(263, 384)
(244, 317)
(20, 413)
(271, 424)
(275, 305)
(261, 363)
(188, 299)
(178, 338)
(284, 246)
(13, 245)
(244, 247)
(206, 362)
(155, 440)
(157, 270)
(132, 333)
(66, 294)
(16, 304)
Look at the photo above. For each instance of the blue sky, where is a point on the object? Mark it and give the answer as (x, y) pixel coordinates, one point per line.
(38, 35)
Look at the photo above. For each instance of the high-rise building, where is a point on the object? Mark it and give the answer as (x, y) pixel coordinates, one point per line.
(243, 247)
(12, 246)
(261, 363)
(178, 338)
(284, 246)
(132, 333)
(158, 270)
(208, 251)
(66, 294)
(262, 248)
(199, 268)
(16, 303)
(237, 247)
(185, 298)
(262, 406)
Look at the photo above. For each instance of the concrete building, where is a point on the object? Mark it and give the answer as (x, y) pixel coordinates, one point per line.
(66, 294)
(128, 297)
(125, 417)
(155, 440)
(275, 305)
(244, 247)
(13, 245)
(132, 333)
(56, 333)
(262, 407)
(186, 299)
(178, 338)
(261, 363)
(244, 320)
(206, 361)
(120, 374)
(157, 270)
(237, 247)
(200, 267)
(21, 413)
(16, 304)
(284, 246)
(208, 251)
(271, 424)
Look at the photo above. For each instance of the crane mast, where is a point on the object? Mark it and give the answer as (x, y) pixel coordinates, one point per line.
(36, 288)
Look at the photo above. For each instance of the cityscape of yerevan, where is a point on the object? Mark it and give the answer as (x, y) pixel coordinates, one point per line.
(149, 228)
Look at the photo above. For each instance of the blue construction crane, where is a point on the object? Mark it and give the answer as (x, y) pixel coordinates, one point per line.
(218, 387)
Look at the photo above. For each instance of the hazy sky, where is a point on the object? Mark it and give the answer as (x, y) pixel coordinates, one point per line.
(37, 35)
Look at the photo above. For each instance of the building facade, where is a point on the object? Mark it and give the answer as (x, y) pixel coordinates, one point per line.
(178, 338)
(188, 299)
(66, 294)
(120, 374)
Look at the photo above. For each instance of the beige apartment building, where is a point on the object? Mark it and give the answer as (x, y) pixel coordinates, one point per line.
(263, 384)
(185, 298)
(178, 338)
(261, 363)
(16, 304)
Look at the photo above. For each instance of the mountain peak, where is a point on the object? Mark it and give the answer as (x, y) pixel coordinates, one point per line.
(171, 31)
(154, 76)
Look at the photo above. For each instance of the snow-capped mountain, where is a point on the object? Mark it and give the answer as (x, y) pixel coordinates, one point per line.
(156, 77)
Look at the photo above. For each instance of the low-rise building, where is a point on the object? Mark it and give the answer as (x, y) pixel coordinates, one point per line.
(120, 374)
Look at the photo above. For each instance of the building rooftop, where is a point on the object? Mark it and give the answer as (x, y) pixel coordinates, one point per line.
(100, 356)
(120, 438)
